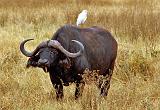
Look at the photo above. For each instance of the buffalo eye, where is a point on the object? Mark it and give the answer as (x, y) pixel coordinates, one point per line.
(54, 52)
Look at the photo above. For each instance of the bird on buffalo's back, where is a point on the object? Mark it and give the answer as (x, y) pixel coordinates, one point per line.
(82, 17)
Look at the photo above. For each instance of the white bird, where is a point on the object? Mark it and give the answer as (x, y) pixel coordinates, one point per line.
(82, 17)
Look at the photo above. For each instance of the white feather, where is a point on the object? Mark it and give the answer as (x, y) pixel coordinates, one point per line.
(82, 17)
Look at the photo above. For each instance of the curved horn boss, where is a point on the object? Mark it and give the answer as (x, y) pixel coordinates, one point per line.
(56, 44)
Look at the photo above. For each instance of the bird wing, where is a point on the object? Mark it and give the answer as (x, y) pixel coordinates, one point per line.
(81, 18)
(84, 19)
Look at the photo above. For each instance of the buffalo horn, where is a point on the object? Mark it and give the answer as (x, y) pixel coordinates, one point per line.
(30, 54)
(56, 44)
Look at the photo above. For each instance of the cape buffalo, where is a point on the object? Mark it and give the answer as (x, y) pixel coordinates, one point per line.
(70, 51)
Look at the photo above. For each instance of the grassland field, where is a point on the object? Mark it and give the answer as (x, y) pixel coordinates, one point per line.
(135, 24)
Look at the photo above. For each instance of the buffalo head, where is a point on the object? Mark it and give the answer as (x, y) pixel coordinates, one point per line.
(47, 54)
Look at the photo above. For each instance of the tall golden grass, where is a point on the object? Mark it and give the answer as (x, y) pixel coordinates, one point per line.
(134, 23)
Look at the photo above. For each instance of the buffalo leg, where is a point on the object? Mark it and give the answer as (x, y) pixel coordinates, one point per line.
(79, 87)
(59, 91)
(57, 84)
(104, 83)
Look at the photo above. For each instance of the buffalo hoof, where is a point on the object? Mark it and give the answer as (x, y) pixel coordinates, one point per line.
(66, 84)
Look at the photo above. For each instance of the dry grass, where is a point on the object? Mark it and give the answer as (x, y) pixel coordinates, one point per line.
(134, 23)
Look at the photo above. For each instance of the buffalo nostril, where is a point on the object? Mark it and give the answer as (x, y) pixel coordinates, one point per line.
(42, 61)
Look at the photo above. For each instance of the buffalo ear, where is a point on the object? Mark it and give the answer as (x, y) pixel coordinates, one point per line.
(32, 62)
(28, 65)
(29, 62)
(65, 63)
